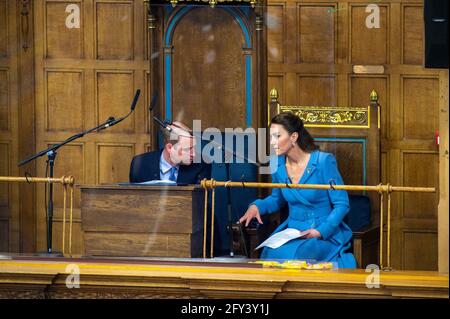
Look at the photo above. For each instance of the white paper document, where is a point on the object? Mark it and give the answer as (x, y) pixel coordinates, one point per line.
(159, 182)
(281, 238)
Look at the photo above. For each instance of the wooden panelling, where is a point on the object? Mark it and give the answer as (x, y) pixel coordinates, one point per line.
(4, 234)
(420, 107)
(83, 77)
(12, 65)
(23, 63)
(276, 30)
(418, 170)
(61, 41)
(4, 100)
(3, 29)
(277, 81)
(148, 100)
(64, 99)
(154, 245)
(140, 211)
(443, 207)
(349, 157)
(218, 53)
(115, 93)
(359, 90)
(114, 22)
(5, 156)
(368, 45)
(410, 96)
(72, 79)
(314, 21)
(147, 35)
(4, 198)
(412, 32)
(420, 250)
(113, 164)
(70, 163)
(317, 90)
(77, 238)
(384, 168)
(58, 212)
(139, 221)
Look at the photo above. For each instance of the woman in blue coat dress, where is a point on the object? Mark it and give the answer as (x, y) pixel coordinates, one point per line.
(317, 213)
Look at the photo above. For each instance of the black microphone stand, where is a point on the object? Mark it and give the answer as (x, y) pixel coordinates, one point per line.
(51, 157)
(51, 154)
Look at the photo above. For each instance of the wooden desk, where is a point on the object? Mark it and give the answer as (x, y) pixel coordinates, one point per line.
(142, 220)
(366, 246)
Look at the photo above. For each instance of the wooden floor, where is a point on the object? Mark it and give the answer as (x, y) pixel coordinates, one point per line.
(32, 277)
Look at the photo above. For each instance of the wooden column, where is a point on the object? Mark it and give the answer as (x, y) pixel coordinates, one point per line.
(26, 116)
(443, 175)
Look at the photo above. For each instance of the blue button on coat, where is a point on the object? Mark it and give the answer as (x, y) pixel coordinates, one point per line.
(323, 210)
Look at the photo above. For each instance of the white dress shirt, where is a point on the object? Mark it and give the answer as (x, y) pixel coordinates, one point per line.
(164, 169)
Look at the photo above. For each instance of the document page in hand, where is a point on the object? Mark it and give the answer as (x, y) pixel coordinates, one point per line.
(281, 238)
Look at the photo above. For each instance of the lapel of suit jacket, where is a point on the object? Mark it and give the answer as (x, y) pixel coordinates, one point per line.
(310, 168)
(297, 193)
(156, 169)
(182, 173)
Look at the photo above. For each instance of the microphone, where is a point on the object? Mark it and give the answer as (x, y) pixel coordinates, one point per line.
(153, 102)
(136, 98)
(133, 105)
(111, 121)
(162, 124)
(165, 124)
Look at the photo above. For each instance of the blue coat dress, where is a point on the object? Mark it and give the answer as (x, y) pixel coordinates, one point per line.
(323, 210)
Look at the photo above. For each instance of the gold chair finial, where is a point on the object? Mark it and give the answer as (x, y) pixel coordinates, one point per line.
(373, 96)
(273, 94)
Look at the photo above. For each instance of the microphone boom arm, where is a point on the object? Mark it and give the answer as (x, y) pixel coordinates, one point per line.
(68, 140)
(109, 122)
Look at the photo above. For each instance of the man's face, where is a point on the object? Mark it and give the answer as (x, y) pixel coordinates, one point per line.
(183, 151)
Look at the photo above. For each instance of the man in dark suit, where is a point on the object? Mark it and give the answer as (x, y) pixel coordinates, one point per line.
(174, 162)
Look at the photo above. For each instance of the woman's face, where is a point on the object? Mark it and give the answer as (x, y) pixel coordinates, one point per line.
(280, 139)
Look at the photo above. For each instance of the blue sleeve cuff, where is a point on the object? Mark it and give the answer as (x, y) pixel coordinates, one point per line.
(257, 203)
(325, 230)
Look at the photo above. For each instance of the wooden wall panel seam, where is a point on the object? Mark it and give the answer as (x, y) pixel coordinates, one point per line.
(402, 33)
(7, 71)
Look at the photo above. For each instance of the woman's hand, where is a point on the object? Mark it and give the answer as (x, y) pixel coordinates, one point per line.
(252, 212)
(311, 233)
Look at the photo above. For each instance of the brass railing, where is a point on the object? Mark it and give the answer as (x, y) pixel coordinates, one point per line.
(381, 189)
(66, 181)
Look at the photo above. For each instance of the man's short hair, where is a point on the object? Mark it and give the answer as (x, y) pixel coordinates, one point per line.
(178, 129)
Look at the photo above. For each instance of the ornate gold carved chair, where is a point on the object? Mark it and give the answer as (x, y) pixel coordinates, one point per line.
(352, 134)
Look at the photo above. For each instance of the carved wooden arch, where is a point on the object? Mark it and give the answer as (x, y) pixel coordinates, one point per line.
(242, 104)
